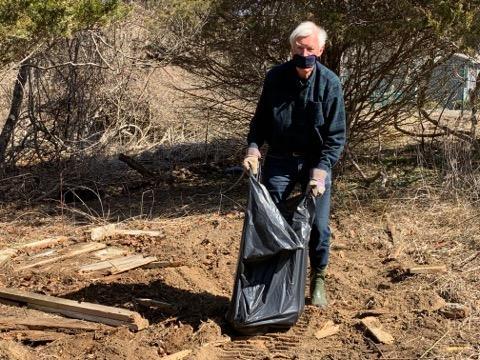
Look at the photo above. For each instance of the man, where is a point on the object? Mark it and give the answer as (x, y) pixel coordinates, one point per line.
(301, 116)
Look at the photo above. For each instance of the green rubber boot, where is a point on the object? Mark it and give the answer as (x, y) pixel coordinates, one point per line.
(317, 289)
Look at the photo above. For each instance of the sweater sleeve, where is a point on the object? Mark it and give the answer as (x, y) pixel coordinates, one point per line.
(258, 124)
(335, 129)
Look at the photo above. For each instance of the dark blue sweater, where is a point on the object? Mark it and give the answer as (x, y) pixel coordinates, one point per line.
(306, 116)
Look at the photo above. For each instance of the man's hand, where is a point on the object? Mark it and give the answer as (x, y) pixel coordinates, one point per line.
(251, 160)
(316, 185)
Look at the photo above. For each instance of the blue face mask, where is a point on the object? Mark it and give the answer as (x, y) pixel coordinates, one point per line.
(304, 62)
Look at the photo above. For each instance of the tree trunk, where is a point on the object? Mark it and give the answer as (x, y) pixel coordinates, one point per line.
(15, 107)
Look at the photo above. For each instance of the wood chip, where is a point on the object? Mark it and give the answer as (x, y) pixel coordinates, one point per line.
(101, 232)
(427, 269)
(328, 329)
(80, 310)
(374, 327)
(6, 255)
(72, 251)
(457, 348)
(178, 355)
(455, 311)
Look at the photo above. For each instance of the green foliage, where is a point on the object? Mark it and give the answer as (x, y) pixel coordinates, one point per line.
(26, 23)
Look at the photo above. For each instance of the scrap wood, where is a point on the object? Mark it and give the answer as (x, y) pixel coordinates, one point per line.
(107, 264)
(163, 264)
(110, 252)
(178, 355)
(81, 310)
(40, 244)
(102, 232)
(33, 335)
(74, 251)
(371, 312)
(455, 311)
(132, 265)
(374, 327)
(457, 348)
(16, 323)
(118, 265)
(160, 305)
(7, 254)
(328, 329)
(427, 269)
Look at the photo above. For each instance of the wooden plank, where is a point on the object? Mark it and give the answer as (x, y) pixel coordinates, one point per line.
(328, 329)
(40, 244)
(178, 355)
(427, 269)
(163, 264)
(83, 316)
(73, 251)
(6, 255)
(33, 336)
(374, 327)
(16, 323)
(108, 264)
(110, 252)
(102, 232)
(132, 265)
(75, 309)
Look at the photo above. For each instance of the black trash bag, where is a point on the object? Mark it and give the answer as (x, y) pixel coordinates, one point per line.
(269, 290)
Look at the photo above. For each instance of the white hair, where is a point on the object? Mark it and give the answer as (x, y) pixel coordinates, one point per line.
(308, 28)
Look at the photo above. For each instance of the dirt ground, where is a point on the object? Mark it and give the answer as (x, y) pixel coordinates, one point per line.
(202, 231)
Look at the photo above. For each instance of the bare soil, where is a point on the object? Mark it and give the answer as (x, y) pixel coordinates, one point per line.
(202, 231)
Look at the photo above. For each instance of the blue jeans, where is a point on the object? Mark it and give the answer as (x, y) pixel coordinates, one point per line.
(280, 175)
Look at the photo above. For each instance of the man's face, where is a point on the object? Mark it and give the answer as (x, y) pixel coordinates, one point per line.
(306, 46)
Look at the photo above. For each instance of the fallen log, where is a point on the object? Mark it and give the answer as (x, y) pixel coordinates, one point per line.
(73, 251)
(79, 310)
